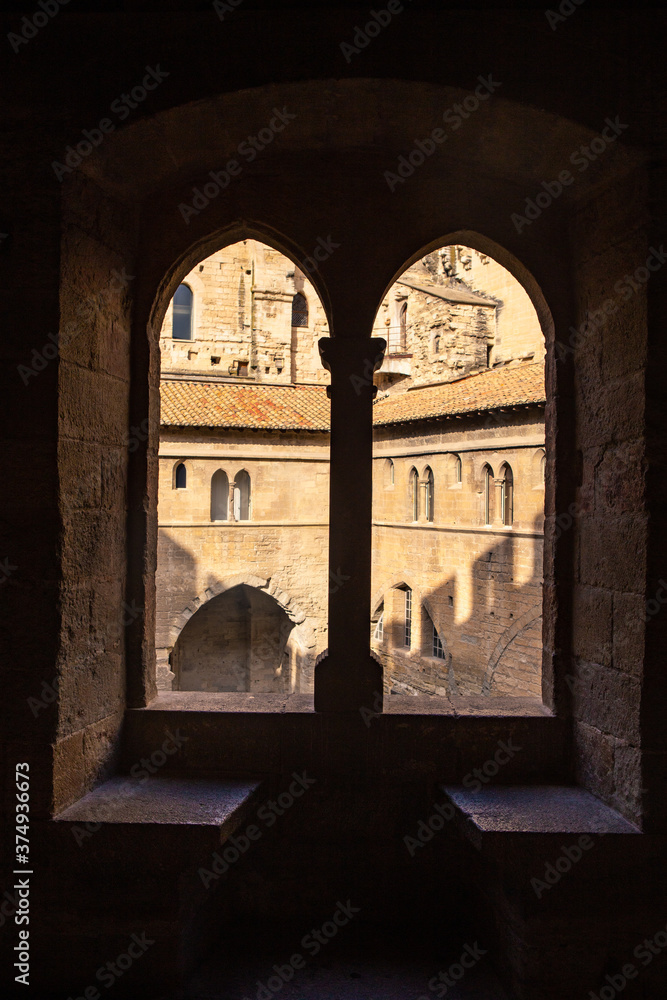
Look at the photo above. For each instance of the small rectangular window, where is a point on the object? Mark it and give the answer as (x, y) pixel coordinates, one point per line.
(379, 628)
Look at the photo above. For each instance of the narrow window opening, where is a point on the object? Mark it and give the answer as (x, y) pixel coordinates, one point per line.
(242, 497)
(414, 494)
(438, 648)
(299, 310)
(182, 314)
(220, 496)
(403, 327)
(507, 497)
(407, 639)
(488, 486)
(181, 477)
(430, 495)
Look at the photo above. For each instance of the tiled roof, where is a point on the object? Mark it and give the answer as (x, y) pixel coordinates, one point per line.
(306, 407)
(231, 404)
(511, 385)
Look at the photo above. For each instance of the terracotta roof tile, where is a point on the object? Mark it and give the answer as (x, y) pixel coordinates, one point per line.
(306, 407)
(230, 404)
(511, 385)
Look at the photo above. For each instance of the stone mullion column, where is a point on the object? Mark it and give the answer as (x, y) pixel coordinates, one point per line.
(497, 517)
(348, 677)
(230, 503)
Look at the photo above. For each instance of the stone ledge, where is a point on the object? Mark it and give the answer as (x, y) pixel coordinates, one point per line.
(504, 706)
(163, 801)
(534, 809)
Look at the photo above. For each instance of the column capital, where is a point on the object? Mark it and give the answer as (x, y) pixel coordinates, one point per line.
(356, 359)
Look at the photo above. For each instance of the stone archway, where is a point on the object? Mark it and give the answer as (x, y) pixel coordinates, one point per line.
(301, 634)
(527, 627)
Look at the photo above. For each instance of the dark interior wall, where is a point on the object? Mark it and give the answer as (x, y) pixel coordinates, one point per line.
(610, 240)
(89, 420)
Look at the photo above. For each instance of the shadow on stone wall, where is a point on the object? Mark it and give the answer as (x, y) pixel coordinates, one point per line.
(495, 650)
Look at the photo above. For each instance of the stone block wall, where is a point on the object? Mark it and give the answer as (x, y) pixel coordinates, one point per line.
(447, 338)
(282, 549)
(242, 313)
(479, 584)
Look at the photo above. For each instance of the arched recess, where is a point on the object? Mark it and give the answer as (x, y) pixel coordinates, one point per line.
(383, 115)
(165, 177)
(528, 627)
(302, 635)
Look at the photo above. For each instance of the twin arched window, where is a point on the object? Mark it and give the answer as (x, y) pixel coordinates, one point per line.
(506, 495)
(429, 494)
(181, 324)
(299, 310)
(220, 496)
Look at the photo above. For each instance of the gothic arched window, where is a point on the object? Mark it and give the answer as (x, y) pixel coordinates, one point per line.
(181, 326)
(242, 496)
(507, 496)
(219, 496)
(414, 494)
(299, 310)
(430, 494)
(180, 477)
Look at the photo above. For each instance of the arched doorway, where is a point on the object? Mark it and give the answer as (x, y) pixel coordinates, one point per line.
(240, 640)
